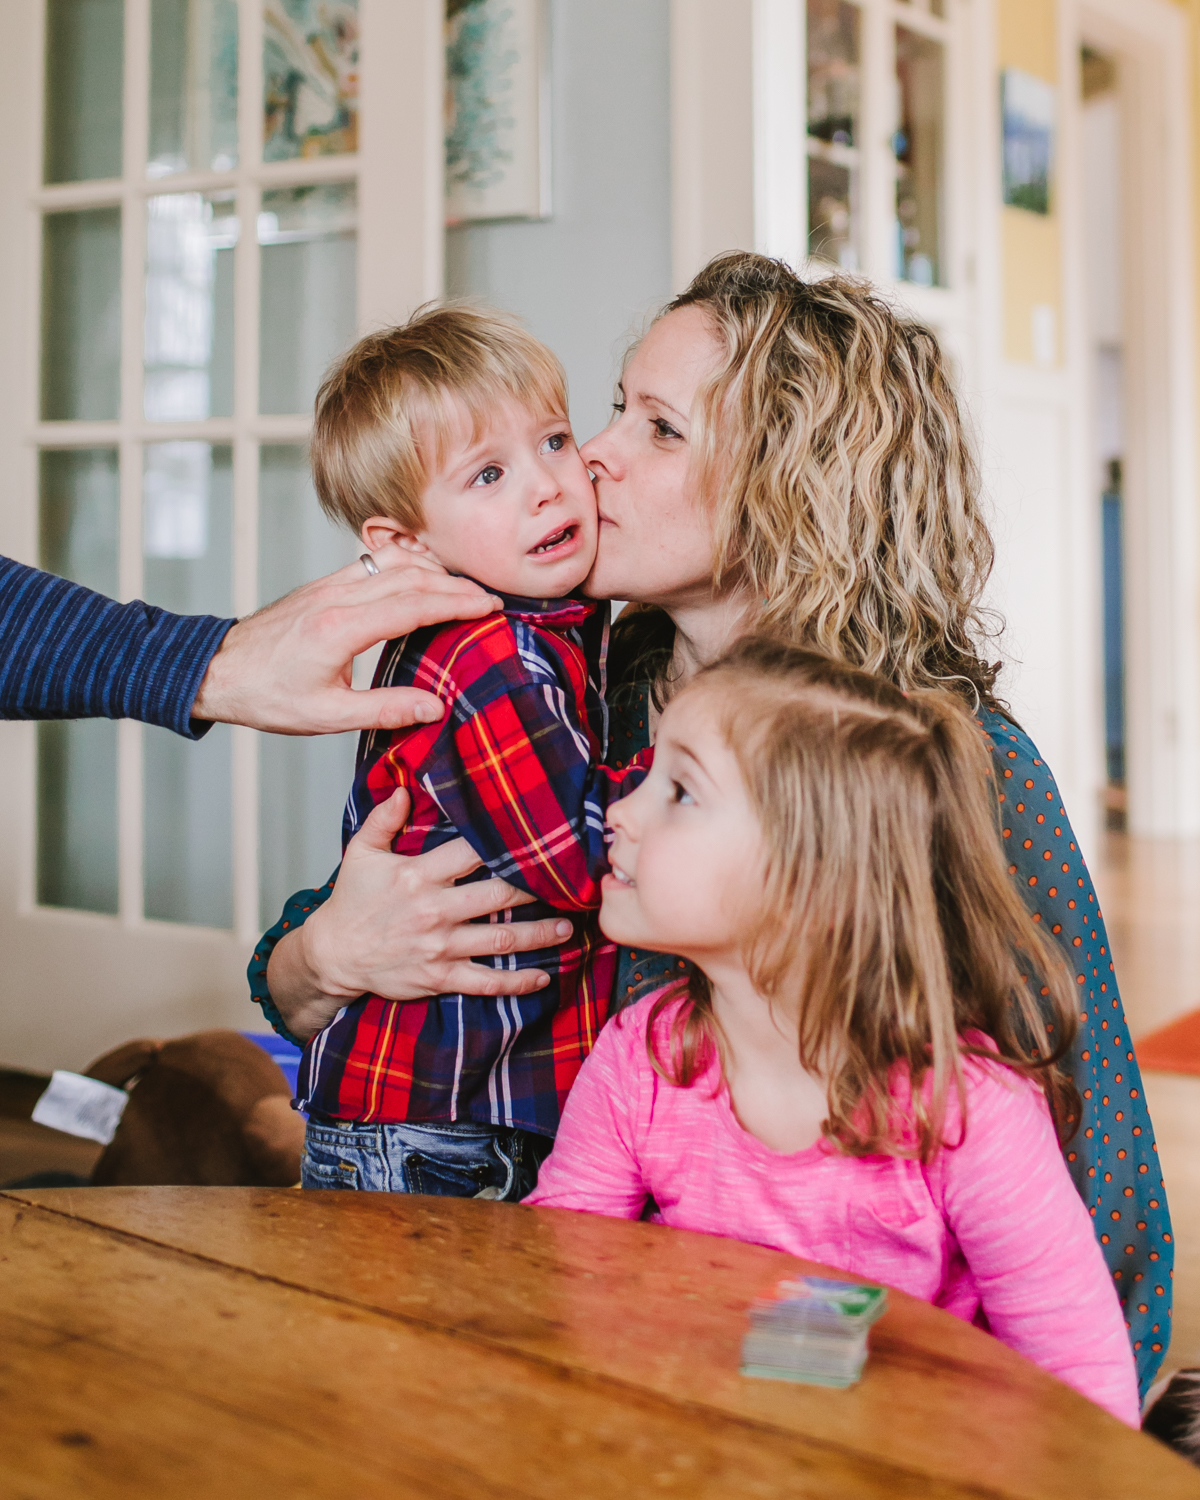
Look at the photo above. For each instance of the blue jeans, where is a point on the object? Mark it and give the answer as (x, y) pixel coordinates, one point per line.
(451, 1160)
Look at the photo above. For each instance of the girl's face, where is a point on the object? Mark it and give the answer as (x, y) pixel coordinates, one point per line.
(655, 543)
(688, 854)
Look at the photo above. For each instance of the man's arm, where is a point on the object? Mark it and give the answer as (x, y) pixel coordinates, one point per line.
(70, 653)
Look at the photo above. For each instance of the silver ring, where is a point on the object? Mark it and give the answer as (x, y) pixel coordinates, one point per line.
(370, 564)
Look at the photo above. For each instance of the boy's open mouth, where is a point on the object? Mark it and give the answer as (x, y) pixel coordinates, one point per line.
(555, 539)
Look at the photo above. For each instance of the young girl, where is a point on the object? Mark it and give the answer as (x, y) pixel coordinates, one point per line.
(856, 1071)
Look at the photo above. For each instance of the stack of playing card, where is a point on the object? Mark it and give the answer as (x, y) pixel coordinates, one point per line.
(814, 1330)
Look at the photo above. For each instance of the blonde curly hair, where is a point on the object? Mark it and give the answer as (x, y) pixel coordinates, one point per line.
(832, 451)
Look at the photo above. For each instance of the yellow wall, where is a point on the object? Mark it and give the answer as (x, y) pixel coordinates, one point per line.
(1031, 244)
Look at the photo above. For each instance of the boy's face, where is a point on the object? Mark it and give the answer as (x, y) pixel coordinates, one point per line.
(513, 508)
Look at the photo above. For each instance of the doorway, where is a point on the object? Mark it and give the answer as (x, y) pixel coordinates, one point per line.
(1133, 229)
(1101, 149)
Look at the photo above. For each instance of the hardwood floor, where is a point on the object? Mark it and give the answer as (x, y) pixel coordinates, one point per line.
(1149, 891)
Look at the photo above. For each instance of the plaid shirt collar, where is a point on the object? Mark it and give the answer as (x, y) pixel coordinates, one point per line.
(557, 614)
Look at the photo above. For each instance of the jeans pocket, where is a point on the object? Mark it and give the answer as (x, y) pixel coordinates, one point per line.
(326, 1163)
(457, 1175)
(342, 1175)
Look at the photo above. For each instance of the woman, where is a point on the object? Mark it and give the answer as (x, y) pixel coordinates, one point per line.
(789, 457)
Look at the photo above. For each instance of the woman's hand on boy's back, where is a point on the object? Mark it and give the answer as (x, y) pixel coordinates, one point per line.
(287, 669)
(398, 926)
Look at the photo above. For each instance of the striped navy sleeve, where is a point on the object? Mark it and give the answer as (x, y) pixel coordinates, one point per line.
(69, 653)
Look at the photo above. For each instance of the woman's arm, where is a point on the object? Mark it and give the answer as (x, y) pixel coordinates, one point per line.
(1030, 1245)
(395, 926)
(1111, 1157)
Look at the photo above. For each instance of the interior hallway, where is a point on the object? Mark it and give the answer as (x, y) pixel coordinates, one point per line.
(1149, 890)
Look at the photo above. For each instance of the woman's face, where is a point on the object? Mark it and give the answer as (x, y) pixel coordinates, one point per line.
(655, 544)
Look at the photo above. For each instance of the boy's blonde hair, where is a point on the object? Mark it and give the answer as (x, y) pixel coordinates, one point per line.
(384, 415)
(889, 924)
(829, 449)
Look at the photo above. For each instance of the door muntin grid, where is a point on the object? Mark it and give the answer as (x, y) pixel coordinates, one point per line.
(179, 356)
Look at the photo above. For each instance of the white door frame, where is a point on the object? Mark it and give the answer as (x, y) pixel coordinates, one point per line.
(1162, 535)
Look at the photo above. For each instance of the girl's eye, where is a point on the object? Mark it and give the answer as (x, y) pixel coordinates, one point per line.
(555, 443)
(619, 408)
(664, 429)
(487, 476)
(681, 796)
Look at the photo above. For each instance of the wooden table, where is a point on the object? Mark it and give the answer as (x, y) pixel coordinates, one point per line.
(263, 1343)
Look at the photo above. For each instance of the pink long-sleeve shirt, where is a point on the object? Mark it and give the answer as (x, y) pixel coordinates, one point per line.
(992, 1229)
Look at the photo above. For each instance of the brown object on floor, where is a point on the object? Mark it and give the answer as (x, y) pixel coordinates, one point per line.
(208, 1109)
(1172, 1049)
(377, 1344)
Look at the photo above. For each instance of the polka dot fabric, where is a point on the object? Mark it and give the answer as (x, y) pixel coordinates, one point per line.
(1112, 1157)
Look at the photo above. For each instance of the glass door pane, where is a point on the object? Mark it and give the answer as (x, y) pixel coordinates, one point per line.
(309, 290)
(85, 55)
(918, 147)
(187, 543)
(833, 132)
(189, 306)
(81, 315)
(303, 782)
(193, 86)
(77, 760)
(310, 78)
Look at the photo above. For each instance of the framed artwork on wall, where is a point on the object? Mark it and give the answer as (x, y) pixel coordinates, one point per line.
(310, 78)
(497, 110)
(1027, 113)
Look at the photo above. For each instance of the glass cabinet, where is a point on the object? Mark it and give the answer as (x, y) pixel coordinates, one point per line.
(875, 144)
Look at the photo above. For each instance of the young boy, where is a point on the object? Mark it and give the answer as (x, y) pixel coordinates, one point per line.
(450, 436)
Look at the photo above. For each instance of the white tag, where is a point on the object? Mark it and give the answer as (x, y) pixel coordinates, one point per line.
(81, 1106)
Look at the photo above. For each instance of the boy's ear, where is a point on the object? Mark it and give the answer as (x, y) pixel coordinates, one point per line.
(380, 530)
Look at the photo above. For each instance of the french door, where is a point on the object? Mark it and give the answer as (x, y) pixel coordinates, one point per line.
(205, 201)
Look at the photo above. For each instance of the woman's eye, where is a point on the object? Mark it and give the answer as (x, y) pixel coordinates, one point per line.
(680, 795)
(487, 476)
(619, 408)
(664, 429)
(555, 443)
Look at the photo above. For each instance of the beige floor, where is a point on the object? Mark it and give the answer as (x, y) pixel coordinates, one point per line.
(1150, 892)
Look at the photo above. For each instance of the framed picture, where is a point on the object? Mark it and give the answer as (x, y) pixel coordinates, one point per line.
(1027, 111)
(497, 110)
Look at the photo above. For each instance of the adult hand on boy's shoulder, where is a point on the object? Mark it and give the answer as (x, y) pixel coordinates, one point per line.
(398, 926)
(287, 669)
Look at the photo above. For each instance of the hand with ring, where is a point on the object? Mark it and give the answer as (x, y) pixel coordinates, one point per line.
(287, 669)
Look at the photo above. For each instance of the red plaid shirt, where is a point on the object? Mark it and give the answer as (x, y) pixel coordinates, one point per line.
(515, 768)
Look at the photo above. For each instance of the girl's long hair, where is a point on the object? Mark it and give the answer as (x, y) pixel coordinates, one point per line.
(832, 454)
(889, 925)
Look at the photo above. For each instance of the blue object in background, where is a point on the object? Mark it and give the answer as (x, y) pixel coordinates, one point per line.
(1114, 628)
(280, 1051)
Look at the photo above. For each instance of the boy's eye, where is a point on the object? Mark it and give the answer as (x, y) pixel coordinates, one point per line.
(555, 443)
(681, 796)
(487, 476)
(664, 429)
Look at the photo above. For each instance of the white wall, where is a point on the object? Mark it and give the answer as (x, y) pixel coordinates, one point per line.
(584, 279)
